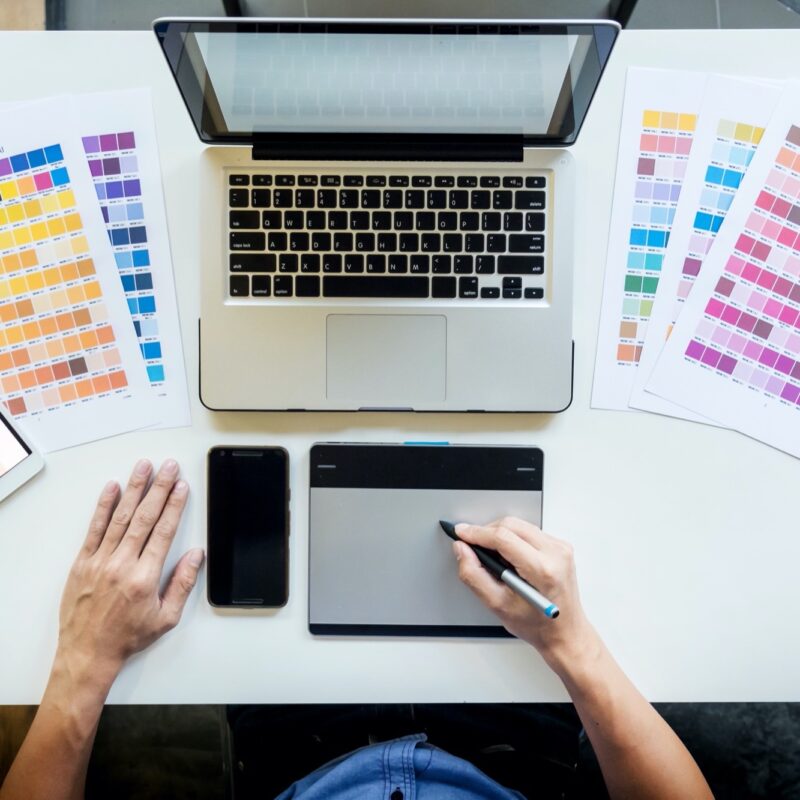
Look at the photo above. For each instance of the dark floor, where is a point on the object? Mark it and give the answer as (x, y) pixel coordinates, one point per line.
(746, 750)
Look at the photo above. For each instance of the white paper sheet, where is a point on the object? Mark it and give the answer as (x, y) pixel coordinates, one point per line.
(119, 140)
(658, 122)
(732, 120)
(70, 370)
(734, 353)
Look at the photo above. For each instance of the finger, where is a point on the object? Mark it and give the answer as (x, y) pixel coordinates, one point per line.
(100, 518)
(148, 511)
(157, 547)
(180, 586)
(531, 533)
(121, 518)
(471, 572)
(509, 544)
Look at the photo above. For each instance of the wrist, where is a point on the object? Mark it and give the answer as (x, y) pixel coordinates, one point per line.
(576, 654)
(83, 675)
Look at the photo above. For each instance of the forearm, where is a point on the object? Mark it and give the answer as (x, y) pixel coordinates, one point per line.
(53, 759)
(639, 754)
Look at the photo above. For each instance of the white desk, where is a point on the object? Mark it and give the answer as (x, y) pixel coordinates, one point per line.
(687, 554)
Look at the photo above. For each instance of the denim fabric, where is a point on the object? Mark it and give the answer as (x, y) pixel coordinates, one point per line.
(402, 769)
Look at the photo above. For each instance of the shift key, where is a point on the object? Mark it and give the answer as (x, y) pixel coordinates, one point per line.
(247, 241)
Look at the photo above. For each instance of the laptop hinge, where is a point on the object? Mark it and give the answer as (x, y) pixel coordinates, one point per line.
(387, 147)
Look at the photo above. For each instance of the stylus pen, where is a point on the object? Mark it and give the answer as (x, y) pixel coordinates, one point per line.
(506, 573)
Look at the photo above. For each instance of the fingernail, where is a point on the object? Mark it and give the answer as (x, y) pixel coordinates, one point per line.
(111, 487)
(196, 557)
(170, 466)
(180, 487)
(142, 467)
(460, 527)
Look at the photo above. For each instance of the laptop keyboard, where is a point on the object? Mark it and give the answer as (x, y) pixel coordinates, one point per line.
(325, 235)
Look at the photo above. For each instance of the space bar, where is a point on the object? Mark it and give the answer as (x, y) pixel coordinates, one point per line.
(381, 286)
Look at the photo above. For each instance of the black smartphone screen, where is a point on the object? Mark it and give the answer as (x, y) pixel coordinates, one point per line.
(248, 530)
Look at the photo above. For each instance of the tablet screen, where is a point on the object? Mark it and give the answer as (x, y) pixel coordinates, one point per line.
(12, 449)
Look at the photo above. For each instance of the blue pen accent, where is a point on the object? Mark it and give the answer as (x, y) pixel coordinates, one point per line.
(551, 610)
(428, 444)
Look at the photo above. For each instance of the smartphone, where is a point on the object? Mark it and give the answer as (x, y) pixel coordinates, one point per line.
(19, 462)
(248, 527)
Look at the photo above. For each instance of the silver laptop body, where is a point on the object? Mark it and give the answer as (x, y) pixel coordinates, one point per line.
(386, 209)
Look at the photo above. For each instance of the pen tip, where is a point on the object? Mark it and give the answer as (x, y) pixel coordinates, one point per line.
(448, 527)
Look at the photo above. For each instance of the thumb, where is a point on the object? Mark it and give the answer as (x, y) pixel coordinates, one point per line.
(181, 583)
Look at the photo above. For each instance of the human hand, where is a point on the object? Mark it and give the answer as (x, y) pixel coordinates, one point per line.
(111, 606)
(546, 563)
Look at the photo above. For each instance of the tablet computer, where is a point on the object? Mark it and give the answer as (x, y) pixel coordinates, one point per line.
(379, 563)
(19, 462)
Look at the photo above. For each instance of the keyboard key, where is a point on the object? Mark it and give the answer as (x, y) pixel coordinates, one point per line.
(277, 241)
(525, 243)
(370, 198)
(238, 198)
(512, 182)
(330, 180)
(532, 200)
(332, 262)
(467, 181)
(520, 265)
(452, 243)
(484, 265)
(326, 198)
(441, 264)
(512, 294)
(502, 200)
(535, 182)
(242, 220)
(298, 242)
(496, 243)
(293, 220)
(512, 221)
(315, 220)
(272, 219)
(342, 242)
(437, 199)
(409, 242)
(398, 264)
(470, 221)
(415, 198)
(365, 242)
(252, 262)
(284, 180)
(431, 242)
(239, 180)
(462, 265)
(348, 198)
(306, 180)
(306, 286)
(491, 221)
(359, 220)
(287, 262)
(392, 198)
(534, 293)
(376, 263)
(398, 180)
(512, 283)
(354, 262)
(420, 265)
(444, 181)
(474, 243)
(458, 199)
(403, 220)
(262, 180)
(262, 285)
(376, 180)
(369, 286)
(480, 199)
(447, 221)
(387, 242)
(381, 220)
(353, 180)
(338, 220)
(467, 287)
(240, 285)
(490, 292)
(320, 242)
(247, 241)
(260, 198)
(443, 287)
(281, 198)
(283, 285)
(422, 180)
(309, 262)
(534, 221)
(304, 198)
(426, 220)
(490, 182)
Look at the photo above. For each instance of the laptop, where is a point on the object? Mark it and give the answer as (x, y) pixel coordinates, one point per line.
(386, 209)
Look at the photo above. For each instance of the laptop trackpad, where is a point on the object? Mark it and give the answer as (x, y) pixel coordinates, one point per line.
(380, 361)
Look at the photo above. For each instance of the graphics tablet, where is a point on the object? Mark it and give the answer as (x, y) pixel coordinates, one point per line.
(379, 563)
(19, 462)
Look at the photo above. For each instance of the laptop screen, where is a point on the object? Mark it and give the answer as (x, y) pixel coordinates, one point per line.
(241, 79)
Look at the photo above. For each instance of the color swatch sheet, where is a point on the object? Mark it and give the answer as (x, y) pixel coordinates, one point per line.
(658, 122)
(119, 140)
(730, 126)
(70, 369)
(734, 353)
